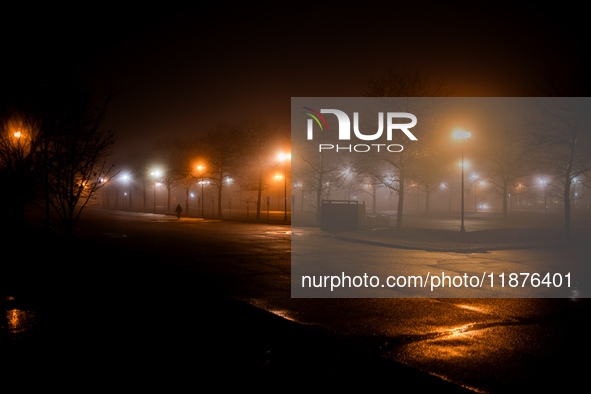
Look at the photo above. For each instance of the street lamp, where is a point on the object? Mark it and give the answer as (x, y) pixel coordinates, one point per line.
(575, 194)
(285, 157)
(201, 169)
(545, 185)
(127, 180)
(481, 183)
(155, 175)
(462, 136)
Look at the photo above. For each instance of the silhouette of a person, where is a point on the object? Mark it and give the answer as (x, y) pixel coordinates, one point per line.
(178, 211)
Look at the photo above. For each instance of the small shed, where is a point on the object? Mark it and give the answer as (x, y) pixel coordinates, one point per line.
(341, 215)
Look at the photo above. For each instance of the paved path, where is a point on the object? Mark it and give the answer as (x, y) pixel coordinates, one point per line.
(176, 297)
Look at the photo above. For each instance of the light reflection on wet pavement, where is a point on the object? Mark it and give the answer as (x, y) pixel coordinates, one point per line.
(131, 309)
(16, 323)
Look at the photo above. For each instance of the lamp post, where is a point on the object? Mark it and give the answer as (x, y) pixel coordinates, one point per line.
(482, 183)
(545, 185)
(463, 137)
(475, 178)
(127, 180)
(285, 157)
(155, 174)
(201, 170)
(575, 194)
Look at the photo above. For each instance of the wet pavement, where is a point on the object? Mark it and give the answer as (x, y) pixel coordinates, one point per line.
(76, 314)
(114, 305)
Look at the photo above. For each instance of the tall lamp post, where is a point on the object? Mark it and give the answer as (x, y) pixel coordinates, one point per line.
(462, 136)
(201, 170)
(155, 175)
(544, 183)
(285, 157)
(127, 180)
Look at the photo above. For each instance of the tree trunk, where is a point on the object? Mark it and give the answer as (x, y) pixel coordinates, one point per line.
(220, 200)
(567, 208)
(187, 201)
(319, 193)
(505, 200)
(259, 196)
(400, 203)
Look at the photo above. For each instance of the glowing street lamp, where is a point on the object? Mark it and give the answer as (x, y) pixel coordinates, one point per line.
(462, 136)
(575, 181)
(285, 157)
(481, 183)
(201, 170)
(127, 179)
(155, 174)
(475, 178)
(544, 183)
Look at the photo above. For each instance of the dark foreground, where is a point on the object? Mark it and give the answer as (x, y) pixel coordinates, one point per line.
(75, 314)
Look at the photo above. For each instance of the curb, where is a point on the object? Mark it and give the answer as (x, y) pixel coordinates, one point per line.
(475, 249)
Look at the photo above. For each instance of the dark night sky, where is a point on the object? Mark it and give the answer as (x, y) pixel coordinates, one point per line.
(184, 70)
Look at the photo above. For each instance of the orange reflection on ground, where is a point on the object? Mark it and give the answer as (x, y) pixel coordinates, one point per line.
(19, 321)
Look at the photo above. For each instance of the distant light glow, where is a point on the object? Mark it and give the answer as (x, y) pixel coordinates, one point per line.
(284, 156)
(461, 134)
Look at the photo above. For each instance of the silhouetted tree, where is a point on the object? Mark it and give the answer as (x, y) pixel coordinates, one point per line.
(53, 146)
(171, 155)
(430, 170)
(78, 153)
(257, 158)
(222, 147)
(394, 170)
(317, 170)
(563, 140)
(507, 158)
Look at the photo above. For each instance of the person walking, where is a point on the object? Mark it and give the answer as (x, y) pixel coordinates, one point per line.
(178, 211)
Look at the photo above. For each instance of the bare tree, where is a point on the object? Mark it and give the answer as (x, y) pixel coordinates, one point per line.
(21, 143)
(223, 148)
(171, 153)
(78, 159)
(394, 171)
(52, 144)
(507, 159)
(254, 173)
(429, 172)
(321, 170)
(564, 137)
(30, 113)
